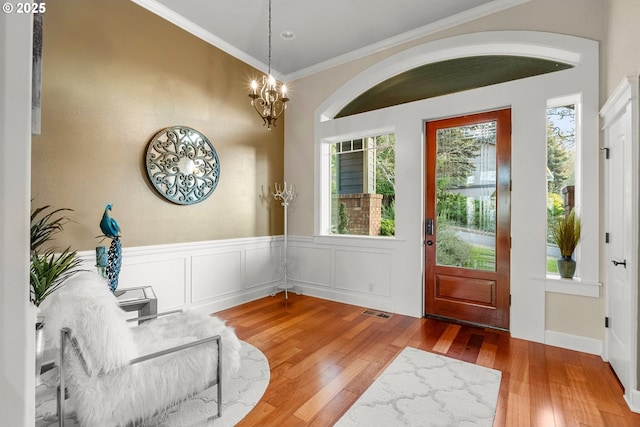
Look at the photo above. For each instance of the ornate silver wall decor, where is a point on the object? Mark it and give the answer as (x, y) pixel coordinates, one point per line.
(182, 165)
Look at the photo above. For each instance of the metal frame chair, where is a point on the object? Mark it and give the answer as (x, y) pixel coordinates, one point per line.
(67, 338)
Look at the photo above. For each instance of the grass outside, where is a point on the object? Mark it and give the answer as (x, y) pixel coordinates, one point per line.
(484, 259)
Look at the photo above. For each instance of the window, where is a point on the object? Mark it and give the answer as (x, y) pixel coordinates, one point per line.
(466, 192)
(561, 175)
(363, 186)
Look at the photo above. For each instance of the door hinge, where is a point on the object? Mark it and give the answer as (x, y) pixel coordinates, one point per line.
(509, 300)
(606, 152)
(606, 237)
(606, 322)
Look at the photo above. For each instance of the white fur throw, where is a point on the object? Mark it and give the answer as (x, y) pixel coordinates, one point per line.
(117, 393)
(86, 306)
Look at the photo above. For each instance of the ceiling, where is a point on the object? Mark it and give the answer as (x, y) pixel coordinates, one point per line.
(326, 33)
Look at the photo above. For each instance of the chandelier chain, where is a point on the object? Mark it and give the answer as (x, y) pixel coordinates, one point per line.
(269, 37)
(270, 99)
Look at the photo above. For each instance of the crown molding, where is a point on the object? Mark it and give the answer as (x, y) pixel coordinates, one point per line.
(443, 24)
(182, 22)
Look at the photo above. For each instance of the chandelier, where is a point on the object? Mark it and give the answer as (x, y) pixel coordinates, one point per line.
(269, 99)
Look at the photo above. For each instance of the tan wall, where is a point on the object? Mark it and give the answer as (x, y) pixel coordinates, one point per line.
(575, 315)
(622, 48)
(113, 75)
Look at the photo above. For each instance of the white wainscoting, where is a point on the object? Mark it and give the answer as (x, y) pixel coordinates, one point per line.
(349, 270)
(215, 275)
(204, 276)
(367, 273)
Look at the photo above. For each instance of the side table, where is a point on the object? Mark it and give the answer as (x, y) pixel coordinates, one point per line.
(141, 299)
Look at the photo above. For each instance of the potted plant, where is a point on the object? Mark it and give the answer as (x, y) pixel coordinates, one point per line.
(48, 270)
(566, 234)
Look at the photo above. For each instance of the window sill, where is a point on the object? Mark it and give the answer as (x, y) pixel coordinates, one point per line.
(575, 286)
(358, 241)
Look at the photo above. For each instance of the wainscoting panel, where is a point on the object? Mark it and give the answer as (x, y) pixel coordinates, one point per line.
(310, 265)
(262, 266)
(345, 269)
(167, 276)
(374, 279)
(215, 275)
(205, 276)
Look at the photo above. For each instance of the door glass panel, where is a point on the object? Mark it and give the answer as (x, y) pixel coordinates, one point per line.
(466, 196)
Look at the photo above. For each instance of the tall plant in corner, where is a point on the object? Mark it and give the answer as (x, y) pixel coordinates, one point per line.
(49, 269)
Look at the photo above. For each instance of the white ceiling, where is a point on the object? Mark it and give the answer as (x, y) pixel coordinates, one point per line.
(327, 32)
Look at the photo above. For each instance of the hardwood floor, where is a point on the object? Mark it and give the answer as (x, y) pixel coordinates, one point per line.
(323, 355)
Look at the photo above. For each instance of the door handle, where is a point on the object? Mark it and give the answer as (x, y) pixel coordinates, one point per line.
(429, 242)
(617, 263)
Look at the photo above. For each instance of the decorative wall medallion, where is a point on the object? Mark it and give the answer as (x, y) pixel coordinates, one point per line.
(182, 165)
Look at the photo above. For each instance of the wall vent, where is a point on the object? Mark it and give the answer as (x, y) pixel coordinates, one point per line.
(377, 313)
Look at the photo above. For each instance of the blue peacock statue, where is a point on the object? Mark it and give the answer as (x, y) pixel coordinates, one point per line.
(110, 228)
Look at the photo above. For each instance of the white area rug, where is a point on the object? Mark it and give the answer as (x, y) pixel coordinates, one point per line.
(238, 398)
(425, 389)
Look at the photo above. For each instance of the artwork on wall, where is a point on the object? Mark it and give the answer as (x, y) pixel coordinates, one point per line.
(182, 165)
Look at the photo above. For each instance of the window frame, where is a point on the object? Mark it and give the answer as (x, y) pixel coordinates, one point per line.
(576, 100)
(323, 227)
(587, 192)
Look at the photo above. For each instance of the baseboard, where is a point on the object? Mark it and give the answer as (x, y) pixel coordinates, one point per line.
(573, 342)
(219, 304)
(351, 298)
(634, 401)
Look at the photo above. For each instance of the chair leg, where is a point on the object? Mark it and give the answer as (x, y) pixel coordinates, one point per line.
(219, 375)
(218, 381)
(60, 407)
(61, 392)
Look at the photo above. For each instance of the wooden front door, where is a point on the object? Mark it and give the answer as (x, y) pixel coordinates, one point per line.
(467, 224)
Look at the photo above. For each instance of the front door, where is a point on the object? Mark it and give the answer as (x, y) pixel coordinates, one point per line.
(467, 224)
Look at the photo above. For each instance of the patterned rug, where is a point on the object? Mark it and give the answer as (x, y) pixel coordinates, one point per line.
(425, 389)
(239, 396)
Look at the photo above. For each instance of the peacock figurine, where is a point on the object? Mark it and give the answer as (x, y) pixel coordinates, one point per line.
(111, 229)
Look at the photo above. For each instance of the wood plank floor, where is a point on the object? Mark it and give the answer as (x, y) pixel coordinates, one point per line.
(323, 355)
